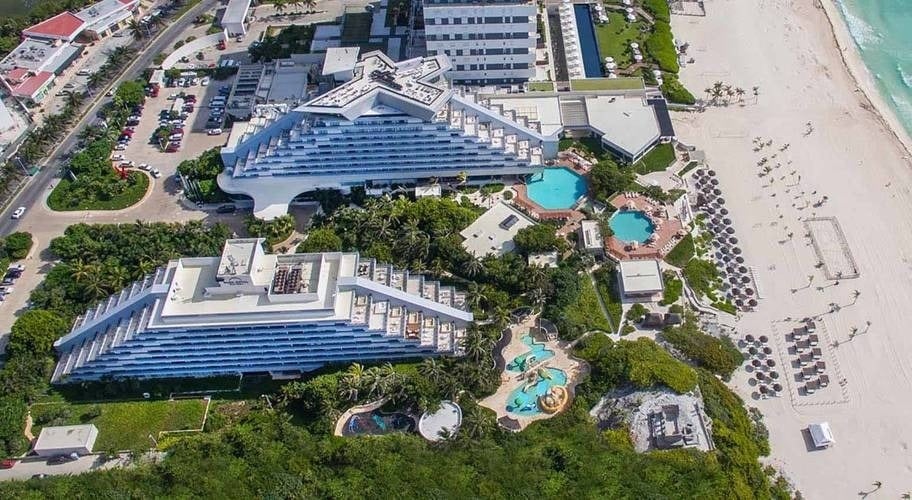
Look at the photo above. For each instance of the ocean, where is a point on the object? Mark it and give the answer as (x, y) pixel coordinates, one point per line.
(882, 30)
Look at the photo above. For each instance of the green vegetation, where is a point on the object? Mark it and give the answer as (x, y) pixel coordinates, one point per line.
(674, 287)
(681, 254)
(397, 13)
(623, 83)
(660, 47)
(494, 187)
(657, 160)
(718, 355)
(538, 238)
(675, 91)
(659, 10)
(541, 86)
(35, 331)
(124, 426)
(703, 278)
(294, 39)
(636, 313)
(606, 178)
(615, 36)
(275, 231)
(93, 183)
(591, 146)
(16, 246)
(200, 175)
(322, 239)
(641, 362)
(606, 281)
(573, 304)
(99, 193)
(687, 168)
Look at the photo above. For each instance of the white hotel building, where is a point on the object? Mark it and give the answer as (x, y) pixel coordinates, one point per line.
(251, 312)
(487, 41)
(389, 123)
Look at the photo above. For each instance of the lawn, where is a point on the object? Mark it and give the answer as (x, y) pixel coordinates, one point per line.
(673, 289)
(624, 83)
(124, 426)
(681, 254)
(614, 38)
(607, 283)
(687, 168)
(541, 86)
(656, 160)
(585, 312)
(65, 198)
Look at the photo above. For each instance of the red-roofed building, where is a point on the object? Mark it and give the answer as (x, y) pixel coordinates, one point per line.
(64, 26)
(32, 86)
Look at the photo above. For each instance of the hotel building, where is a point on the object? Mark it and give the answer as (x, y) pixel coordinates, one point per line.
(250, 312)
(488, 42)
(388, 123)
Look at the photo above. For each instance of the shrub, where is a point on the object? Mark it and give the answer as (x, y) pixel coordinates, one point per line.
(636, 312)
(627, 329)
(508, 195)
(675, 91)
(681, 254)
(18, 244)
(718, 355)
(659, 10)
(660, 47)
(35, 331)
(641, 362)
(674, 287)
(321, 240)
(606, 179)
(538, 238)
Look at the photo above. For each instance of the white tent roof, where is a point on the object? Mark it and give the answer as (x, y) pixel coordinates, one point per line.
(821, 434)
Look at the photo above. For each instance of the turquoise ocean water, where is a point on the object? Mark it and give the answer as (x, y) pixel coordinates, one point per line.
(882, 30)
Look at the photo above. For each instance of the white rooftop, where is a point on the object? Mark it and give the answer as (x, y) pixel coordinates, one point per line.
(445, 420)
(492, 233)
(641, 276)
(626, 122)
(408, 85)
(236, 11)
(591, 235)
(339, 59)
(545, 110)
(66, 437)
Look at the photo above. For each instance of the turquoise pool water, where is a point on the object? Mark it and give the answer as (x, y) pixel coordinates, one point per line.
(524, 400)
(537, 352)
(592, 63)
(631, 225)
(556, 188)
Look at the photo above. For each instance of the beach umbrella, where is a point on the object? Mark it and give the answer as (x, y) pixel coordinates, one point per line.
(739, 303)
(756, 363)
(739, 260)
(733, 280)
(723, 211)
(749, 338)
(736, 250)
(726, 258)
(631, 17)
(708, 209)
(733, 240)
(700, 171)
(724, 250)
(748, 291)
(763, 389)
(711, 173)
(630, 11)
(729, 230)
(767, 350)
(742, 269)
(763, 338)
(777, 387)
(771, 362)
(736, 291)
(717, 191)
(760, 376)
(752, 302)
(745, 279)
(720, 200)
(609, 59)
(727, 221)
(730, 269)
(638, 57)
(752, 350)
(657, 73)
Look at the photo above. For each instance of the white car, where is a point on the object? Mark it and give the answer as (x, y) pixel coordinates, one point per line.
(6, 290)
(214, 131)
(120, 147)
(155, 173)
(204, 81)
(18, 212)
(117, 157)
(144, 166)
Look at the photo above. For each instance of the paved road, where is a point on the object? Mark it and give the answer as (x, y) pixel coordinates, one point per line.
(28, 467)
(35, 190)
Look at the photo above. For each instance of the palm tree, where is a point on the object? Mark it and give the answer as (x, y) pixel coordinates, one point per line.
(116, 277)
(80, 271)
(855, 295)
(310, 5)
(473, 266)
(462, 176)
(74, 100)
(432, 369)
(476, 424)
(740, 92)
(476, 345)
(137, 29)
(476, 295)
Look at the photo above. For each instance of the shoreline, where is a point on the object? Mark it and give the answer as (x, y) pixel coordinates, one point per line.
(861, 75)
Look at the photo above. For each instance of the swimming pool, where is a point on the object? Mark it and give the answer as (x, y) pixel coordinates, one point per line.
(631, 225)
(377, 423)
(537, 352)
(592, 64)
(524, 400)
(556, 188)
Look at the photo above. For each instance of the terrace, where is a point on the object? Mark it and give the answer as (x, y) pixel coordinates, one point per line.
(667, 229)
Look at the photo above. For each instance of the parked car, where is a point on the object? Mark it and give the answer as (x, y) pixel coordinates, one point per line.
(39, 476)
(171, 148)
(62, 459)
(18, 212)
(155, 173)
(214, 131)
(128, 163)
(7, 463)
(117, 157)
(120, 147)
(144, 166)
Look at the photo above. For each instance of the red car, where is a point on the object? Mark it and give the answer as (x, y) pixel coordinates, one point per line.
(127, 132)
(171, 149)
(7, 463)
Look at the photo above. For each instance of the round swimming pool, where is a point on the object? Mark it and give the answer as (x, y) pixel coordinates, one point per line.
(631, 225)
(556, 188)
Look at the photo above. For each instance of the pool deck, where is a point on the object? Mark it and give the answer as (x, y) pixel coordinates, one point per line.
(509, 381)
(668, 229)
(539, 212)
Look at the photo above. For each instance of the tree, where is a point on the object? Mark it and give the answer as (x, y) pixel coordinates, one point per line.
(137, 29)
(18, 244)
(321, 240)
(538, 238)
(130, 93)
(432, 369)
(35, 331)
(606, 179)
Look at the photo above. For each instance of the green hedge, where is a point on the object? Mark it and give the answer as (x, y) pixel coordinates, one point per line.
(660, 47)
(657, 160)
(718, 355)
(116, 194)
(675, 92)
(659, 10)
(681, 254)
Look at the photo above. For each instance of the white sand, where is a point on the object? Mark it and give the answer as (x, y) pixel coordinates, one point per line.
(788, 50)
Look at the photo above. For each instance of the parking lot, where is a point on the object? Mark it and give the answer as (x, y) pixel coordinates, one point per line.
(144, 149)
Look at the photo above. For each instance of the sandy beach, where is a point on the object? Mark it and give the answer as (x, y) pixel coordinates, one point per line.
(851, 155)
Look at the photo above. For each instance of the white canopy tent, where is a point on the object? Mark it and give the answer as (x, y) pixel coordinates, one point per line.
(822, 435)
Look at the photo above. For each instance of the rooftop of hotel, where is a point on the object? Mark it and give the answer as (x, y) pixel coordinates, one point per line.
(628, 123)
(103, 9)
(236, 11)
(31, 54)
(640, 276)
(377, 79)
(493, 231)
